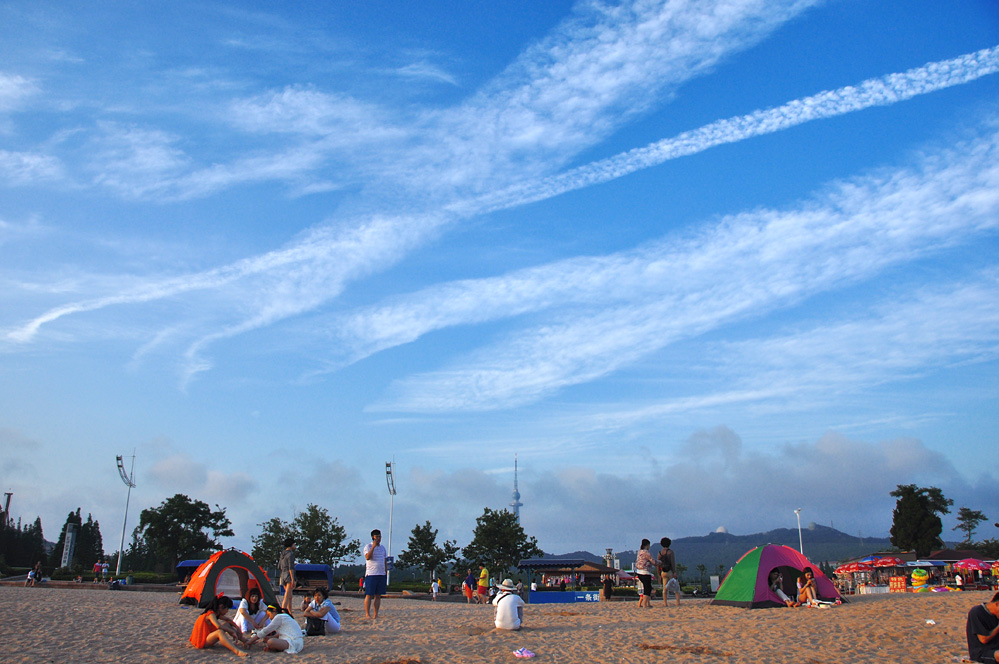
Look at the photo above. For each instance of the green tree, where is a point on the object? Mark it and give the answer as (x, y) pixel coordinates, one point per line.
(423, 552)
(320, 540)
(680, 569)
(89, 547)
(179, 527)
(967, 521)
(21, 546)
(499, 542)
(916, 524)
(988, 548)
(268, 545)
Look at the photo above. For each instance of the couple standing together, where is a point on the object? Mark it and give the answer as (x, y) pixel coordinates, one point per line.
(664, 566)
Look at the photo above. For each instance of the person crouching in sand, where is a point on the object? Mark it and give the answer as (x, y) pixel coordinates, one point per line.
(983, 631)
(509, 606)
(213, 627)
(283, 632)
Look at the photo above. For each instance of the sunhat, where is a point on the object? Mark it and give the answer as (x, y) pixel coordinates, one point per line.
(507, 585)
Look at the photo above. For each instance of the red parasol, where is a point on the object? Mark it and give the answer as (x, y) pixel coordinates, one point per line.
(889, 561)
(973, 565)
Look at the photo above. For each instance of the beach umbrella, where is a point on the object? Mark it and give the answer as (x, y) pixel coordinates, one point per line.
(889, 561)
(973, 565)
(869, 559)
(842, 569)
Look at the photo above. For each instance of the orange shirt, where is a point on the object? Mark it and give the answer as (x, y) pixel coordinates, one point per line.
(202, 628)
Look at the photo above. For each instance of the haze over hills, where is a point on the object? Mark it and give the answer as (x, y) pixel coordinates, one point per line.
(821, 544)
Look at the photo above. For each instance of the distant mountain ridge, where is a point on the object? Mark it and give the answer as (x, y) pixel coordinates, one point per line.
(820, 543)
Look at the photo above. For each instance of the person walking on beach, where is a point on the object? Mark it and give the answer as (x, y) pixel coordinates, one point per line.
(483, 585)
(469, 586)
(667, 571)
(375, 576)
(983, 632)
(286, 569)
(644, 568)
(435, 588)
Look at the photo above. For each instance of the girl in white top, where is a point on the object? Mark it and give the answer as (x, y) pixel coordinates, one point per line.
(251, 614)
(283, 633)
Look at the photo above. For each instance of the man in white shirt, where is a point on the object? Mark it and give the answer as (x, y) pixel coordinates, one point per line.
(375, 577)
(509, 607)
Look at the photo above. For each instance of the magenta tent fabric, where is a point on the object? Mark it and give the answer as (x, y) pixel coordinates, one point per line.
(746, 585)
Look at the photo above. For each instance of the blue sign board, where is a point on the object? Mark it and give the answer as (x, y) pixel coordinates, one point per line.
(569, 597)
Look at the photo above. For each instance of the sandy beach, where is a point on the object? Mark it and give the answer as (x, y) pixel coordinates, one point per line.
(91, 625)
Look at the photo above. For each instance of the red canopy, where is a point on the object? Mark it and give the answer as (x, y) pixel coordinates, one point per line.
(973, 564)
(889, 561)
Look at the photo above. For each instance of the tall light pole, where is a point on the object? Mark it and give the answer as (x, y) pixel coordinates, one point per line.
(129, 480)
(390, 481)
(801, 547)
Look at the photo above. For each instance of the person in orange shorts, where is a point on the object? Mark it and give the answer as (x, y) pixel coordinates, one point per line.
(213, 627)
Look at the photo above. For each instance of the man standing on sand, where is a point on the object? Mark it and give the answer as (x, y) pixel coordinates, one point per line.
(375, 576)
(667, 571)
(286, 572)
(983, 632)
(483, 586)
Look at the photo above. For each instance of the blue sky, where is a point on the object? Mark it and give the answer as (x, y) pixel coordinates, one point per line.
(697, 264)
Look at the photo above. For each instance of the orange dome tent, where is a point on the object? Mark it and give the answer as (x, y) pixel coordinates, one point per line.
(203, 585)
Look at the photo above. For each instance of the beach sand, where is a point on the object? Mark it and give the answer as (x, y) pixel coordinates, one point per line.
(91, 625)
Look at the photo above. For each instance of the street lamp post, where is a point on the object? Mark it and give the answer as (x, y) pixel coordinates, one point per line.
(801, 547)
(129, 480)
(390, 481)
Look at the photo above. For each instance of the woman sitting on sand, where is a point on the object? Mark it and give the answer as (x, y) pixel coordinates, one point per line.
(645, 566)
(776, 581)
(251, 614)
(213, 627)
(807, 590)
(283, 632)
(322, 608)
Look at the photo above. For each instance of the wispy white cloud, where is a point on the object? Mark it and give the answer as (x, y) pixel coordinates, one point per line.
(745, 265)
(909, 337)
(881, 91)
(14, 90)
(426, 70)
(21, 168)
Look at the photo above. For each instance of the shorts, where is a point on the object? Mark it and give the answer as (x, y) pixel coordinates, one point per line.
(468, 592)
(375, 585)
(988, 655)
(285, 578)
(646, 580)
(483, 590)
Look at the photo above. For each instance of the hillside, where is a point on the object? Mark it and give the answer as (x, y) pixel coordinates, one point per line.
(821, 543)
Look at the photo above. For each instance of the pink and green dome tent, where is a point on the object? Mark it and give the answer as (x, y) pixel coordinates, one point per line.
(746, 585)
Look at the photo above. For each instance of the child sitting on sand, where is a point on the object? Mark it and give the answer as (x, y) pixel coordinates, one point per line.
(322, 608)
(213, 627)
(283, 633)
(251, 614)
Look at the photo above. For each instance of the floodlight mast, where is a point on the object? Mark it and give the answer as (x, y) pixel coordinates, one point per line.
(801, 547)
(129, 480)
(390, 481)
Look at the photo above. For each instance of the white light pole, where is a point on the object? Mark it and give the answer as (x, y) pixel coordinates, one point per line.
(129, 480)
(390, 481)
(801, 547)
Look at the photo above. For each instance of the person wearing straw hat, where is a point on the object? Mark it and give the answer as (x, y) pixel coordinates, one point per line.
(509, 606)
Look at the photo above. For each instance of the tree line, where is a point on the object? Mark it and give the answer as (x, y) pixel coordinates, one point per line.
(181, 528)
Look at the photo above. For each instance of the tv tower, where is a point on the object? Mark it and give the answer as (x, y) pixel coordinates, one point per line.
(516, 504)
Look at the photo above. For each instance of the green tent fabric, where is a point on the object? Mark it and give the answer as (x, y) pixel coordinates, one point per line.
(746, 585)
